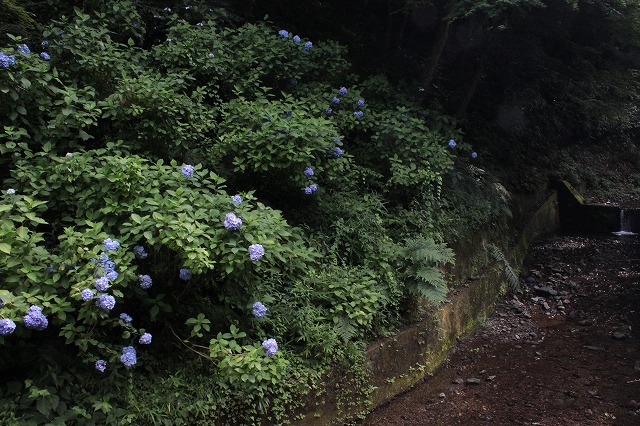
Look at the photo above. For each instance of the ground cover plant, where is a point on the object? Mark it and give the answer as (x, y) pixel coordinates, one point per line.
(200, 217)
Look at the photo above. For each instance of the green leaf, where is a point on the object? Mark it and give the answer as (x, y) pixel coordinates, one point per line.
(5, 248)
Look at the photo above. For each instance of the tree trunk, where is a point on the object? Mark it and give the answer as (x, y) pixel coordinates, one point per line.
(438, 46)
(475, 82)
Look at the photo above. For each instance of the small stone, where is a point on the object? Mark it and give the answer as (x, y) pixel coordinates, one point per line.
(546, 291)
(490, 378)
(457, 381)
(585, 322)
(530, 280)
(441, 395)
(595, 348)
(546, 306)
(473, 381)
(633, 405)
(619, 336)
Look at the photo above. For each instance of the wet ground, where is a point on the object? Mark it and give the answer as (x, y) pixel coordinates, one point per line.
(565, 351)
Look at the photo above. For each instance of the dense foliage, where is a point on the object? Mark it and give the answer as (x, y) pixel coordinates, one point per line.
(202, 213)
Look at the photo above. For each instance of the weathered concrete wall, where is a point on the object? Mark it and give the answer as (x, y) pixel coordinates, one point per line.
(399, 362)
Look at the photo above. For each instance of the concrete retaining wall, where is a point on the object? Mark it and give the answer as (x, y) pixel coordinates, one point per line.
(399, 362)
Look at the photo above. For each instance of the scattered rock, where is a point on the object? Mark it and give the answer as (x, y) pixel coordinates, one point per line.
(545, 291)
(595, 348)
(441, 395)
(585, 322)
(457, 381)
(619, 336)
(490, 378)
(473, 381)
(633, 405)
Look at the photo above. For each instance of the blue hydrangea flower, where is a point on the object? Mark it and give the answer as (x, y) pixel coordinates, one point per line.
(106, 302)
(296, 39)
(45, 56)
(328, 111)
(237, 199)
(336, 140)
(211, 55)
(358, 114)
(110, 244)
(35, 319)
(6, 60)
(44, 44)
(474, 154)
(313, 187)
(111, 275)
(259, 310)
(308, 191)
(101, 365)
(136, 25)
(23, 48)
(145, 281)
(452, 143)
(343, 91)
(256, 251)
(185, 274)
(87, 294)
(232, 222)
(337, 152)
(283, 33)
(128, 357)
(187, 170)
(335, 100)
(126, 318)
(7, 326)
(102, 284)
(140, 252)
(308, 172)
(307, 46)
(271, 346)
(145, 339)
(360, 103)
(11, 191)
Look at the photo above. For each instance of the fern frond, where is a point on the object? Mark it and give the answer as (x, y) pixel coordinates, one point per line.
(344, 329)
(512, 276)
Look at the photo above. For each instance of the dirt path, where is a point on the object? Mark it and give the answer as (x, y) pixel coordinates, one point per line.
(566, 351)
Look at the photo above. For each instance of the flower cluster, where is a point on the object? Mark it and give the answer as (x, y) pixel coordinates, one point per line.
(102, 284)
(452, 143)
(474, 154)
(87, 294)
(256, 251)
(232, 222)
(34, 319)
(111, 245)
(283, 33)
(6, 60)
(259, 310)
(101, 365)
(187, 171)
(145, 281)
(308, 172)
(311, 189)
(106, 302)
(236, 199)
(140, 252)
(126, 318)
(343, 91)
(7, 326)
(128, 357)
(24, 49)
(337, 152)
(45, 56)
(358, 114)
(145, 339)
(271, 346)
(185, 274)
